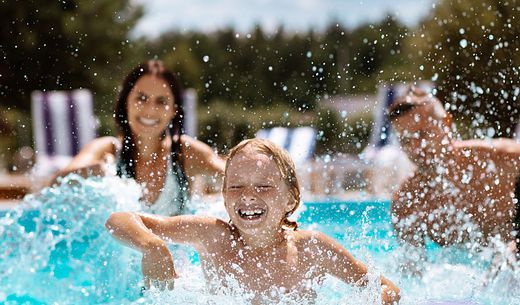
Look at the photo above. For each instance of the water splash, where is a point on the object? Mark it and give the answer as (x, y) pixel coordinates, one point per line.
(55, 248)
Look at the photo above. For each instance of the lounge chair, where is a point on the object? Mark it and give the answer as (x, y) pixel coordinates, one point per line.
(63, 122)
(299, 142)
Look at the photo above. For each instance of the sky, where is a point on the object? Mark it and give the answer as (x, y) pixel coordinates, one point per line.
(296, 15)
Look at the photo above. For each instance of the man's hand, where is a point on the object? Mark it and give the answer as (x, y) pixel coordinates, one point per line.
(157, 267)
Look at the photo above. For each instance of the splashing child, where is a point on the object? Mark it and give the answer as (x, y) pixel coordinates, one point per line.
(259, 247)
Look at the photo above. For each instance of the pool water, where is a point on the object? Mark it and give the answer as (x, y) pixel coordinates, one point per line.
(55, 250)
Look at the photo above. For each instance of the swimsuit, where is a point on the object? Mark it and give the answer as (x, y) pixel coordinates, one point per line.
(516, 221)
(174, 194)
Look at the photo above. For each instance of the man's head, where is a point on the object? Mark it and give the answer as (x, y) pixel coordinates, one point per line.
(422, 125)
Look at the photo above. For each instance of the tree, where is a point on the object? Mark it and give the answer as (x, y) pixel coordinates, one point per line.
(50, 45)
(470, 49)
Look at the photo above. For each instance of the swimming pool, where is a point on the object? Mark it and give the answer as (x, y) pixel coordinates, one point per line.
(55, 250)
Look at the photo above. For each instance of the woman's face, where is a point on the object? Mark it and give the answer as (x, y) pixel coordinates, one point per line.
(151, 106)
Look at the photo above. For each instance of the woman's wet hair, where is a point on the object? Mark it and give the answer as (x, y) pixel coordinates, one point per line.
(175, 127)
(284, 163)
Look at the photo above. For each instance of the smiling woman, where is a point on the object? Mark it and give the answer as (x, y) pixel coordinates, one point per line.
(151, 147)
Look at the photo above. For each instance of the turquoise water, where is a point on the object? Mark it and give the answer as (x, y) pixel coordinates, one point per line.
(55, 250)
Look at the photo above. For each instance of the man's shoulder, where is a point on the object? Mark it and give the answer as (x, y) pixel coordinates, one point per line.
(488, 146)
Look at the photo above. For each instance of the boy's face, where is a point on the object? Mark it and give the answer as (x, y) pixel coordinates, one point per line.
(255, 196)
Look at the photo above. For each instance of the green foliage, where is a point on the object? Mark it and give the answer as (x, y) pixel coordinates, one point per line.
(48, 45)
(258, 68)
(376, 54)
(337, 134)
(470, 48)
(223, 126)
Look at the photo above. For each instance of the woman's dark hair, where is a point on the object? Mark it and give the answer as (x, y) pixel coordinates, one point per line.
(175, 128)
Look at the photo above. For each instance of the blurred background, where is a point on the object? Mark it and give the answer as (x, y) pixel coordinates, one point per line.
(260, 64)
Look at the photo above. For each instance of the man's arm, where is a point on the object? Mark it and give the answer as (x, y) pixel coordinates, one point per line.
(335, 260)
(502, 151)
(405, 219)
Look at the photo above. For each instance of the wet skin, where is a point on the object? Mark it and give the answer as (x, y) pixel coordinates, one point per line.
(151, 107)
(254, 249)
(456, 183)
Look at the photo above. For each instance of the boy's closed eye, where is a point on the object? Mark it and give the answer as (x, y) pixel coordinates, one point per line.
(234, 187)
(163, 101)
(263, 187)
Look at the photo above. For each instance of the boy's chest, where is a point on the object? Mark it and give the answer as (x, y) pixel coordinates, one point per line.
(280, 270)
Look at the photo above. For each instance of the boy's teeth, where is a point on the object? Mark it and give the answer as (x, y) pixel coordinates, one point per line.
(251, 212)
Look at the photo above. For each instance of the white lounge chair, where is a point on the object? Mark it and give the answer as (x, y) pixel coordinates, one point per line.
(63, 122)
(299, 142)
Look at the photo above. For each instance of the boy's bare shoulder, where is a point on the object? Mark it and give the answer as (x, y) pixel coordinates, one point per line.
(315, 244)
(309, 238)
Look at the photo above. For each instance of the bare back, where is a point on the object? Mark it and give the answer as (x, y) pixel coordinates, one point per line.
(472, 200)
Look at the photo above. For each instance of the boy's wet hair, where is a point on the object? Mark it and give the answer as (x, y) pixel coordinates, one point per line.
(412, 98)
(284, 163)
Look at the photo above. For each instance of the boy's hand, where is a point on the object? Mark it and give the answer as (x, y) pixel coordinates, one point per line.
(157, 267)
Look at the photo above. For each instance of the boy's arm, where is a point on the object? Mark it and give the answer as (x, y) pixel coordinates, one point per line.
(335, 260)
(148, 232)
(143, 231)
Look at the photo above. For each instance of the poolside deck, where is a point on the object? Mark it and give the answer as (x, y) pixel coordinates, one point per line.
(14, 187)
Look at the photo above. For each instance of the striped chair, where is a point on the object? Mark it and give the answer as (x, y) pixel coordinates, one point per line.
(299, 142)
(63, 122)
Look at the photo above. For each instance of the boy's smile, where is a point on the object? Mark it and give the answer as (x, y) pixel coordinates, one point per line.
(256, 197)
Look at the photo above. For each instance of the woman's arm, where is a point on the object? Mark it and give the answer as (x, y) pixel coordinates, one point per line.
(90, 161)
(199, 158)
(335, 260)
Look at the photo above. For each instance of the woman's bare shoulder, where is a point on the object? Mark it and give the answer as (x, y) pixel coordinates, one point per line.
(107, 144)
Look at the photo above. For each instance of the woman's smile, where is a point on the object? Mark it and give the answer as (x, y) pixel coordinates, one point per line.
(148, 122)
